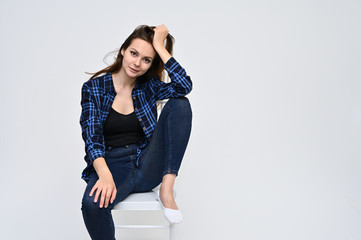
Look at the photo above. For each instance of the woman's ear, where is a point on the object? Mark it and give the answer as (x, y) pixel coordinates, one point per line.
(122, 52)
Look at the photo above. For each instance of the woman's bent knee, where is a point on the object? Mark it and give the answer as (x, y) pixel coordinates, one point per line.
(180, 104)
(88, 204)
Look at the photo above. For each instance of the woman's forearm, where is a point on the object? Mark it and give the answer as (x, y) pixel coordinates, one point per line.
(101, 167)
(162, 52)
(160, 34)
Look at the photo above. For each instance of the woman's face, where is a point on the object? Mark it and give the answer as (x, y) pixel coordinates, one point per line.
(137, 58)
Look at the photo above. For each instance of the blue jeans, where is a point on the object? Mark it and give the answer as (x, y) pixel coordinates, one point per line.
(163, 155)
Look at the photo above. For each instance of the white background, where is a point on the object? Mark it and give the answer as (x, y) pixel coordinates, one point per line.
(275, 146)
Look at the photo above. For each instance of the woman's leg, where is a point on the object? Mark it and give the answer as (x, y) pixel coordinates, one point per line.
(162, 158)
(99, 221)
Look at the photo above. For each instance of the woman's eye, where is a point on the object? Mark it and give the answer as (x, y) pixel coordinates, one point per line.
(133, 53)
(147, 60)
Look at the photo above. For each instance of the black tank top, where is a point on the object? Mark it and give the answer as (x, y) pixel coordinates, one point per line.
(120, 129)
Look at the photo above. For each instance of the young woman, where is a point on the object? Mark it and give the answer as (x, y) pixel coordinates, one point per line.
(127, 149)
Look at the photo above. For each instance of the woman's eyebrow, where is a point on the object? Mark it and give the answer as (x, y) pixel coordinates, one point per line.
(138, 52)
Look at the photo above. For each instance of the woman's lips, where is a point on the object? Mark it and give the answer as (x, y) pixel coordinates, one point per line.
(133, 70)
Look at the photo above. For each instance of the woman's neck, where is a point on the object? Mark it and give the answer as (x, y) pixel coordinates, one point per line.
(122, 81)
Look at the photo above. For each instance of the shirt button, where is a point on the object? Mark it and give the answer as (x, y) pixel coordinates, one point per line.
(133, 97)
(168, 69)
(149, 139)
(144, 128)
(135, 109)
(140, 119)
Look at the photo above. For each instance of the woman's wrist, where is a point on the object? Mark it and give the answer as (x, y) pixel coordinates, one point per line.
(158, 46)
(101, 168)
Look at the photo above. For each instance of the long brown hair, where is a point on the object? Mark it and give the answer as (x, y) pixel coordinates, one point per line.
(145, 33)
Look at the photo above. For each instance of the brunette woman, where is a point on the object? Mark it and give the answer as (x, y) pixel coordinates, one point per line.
(127, 149)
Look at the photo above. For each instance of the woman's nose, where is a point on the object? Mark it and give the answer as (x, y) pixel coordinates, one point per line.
(137, 62)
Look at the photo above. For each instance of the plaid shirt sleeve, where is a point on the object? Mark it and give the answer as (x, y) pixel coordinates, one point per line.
(180, 84)
(90, 122)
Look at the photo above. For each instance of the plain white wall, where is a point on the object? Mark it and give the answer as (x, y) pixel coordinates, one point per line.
(275, 146)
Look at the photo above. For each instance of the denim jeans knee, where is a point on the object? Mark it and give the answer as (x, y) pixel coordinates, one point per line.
(181, 104)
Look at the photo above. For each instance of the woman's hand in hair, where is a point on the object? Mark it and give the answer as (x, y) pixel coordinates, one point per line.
(160, 34)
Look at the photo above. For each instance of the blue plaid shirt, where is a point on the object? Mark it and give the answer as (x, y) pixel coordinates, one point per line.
(98, 95)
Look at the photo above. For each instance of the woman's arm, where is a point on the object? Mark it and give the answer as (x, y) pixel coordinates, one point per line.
(93, 138)
(181, 83)
(105, 184)
(91, 124)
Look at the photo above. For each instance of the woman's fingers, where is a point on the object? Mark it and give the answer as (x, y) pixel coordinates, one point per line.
(93, 189)
(114, 194)
(99, 190)
(102, 198)
(161, 28)
(160, 34)
(107, 197)
(105, 191)
(104, 201)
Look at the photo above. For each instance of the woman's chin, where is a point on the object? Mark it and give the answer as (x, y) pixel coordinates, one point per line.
(132, 74)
